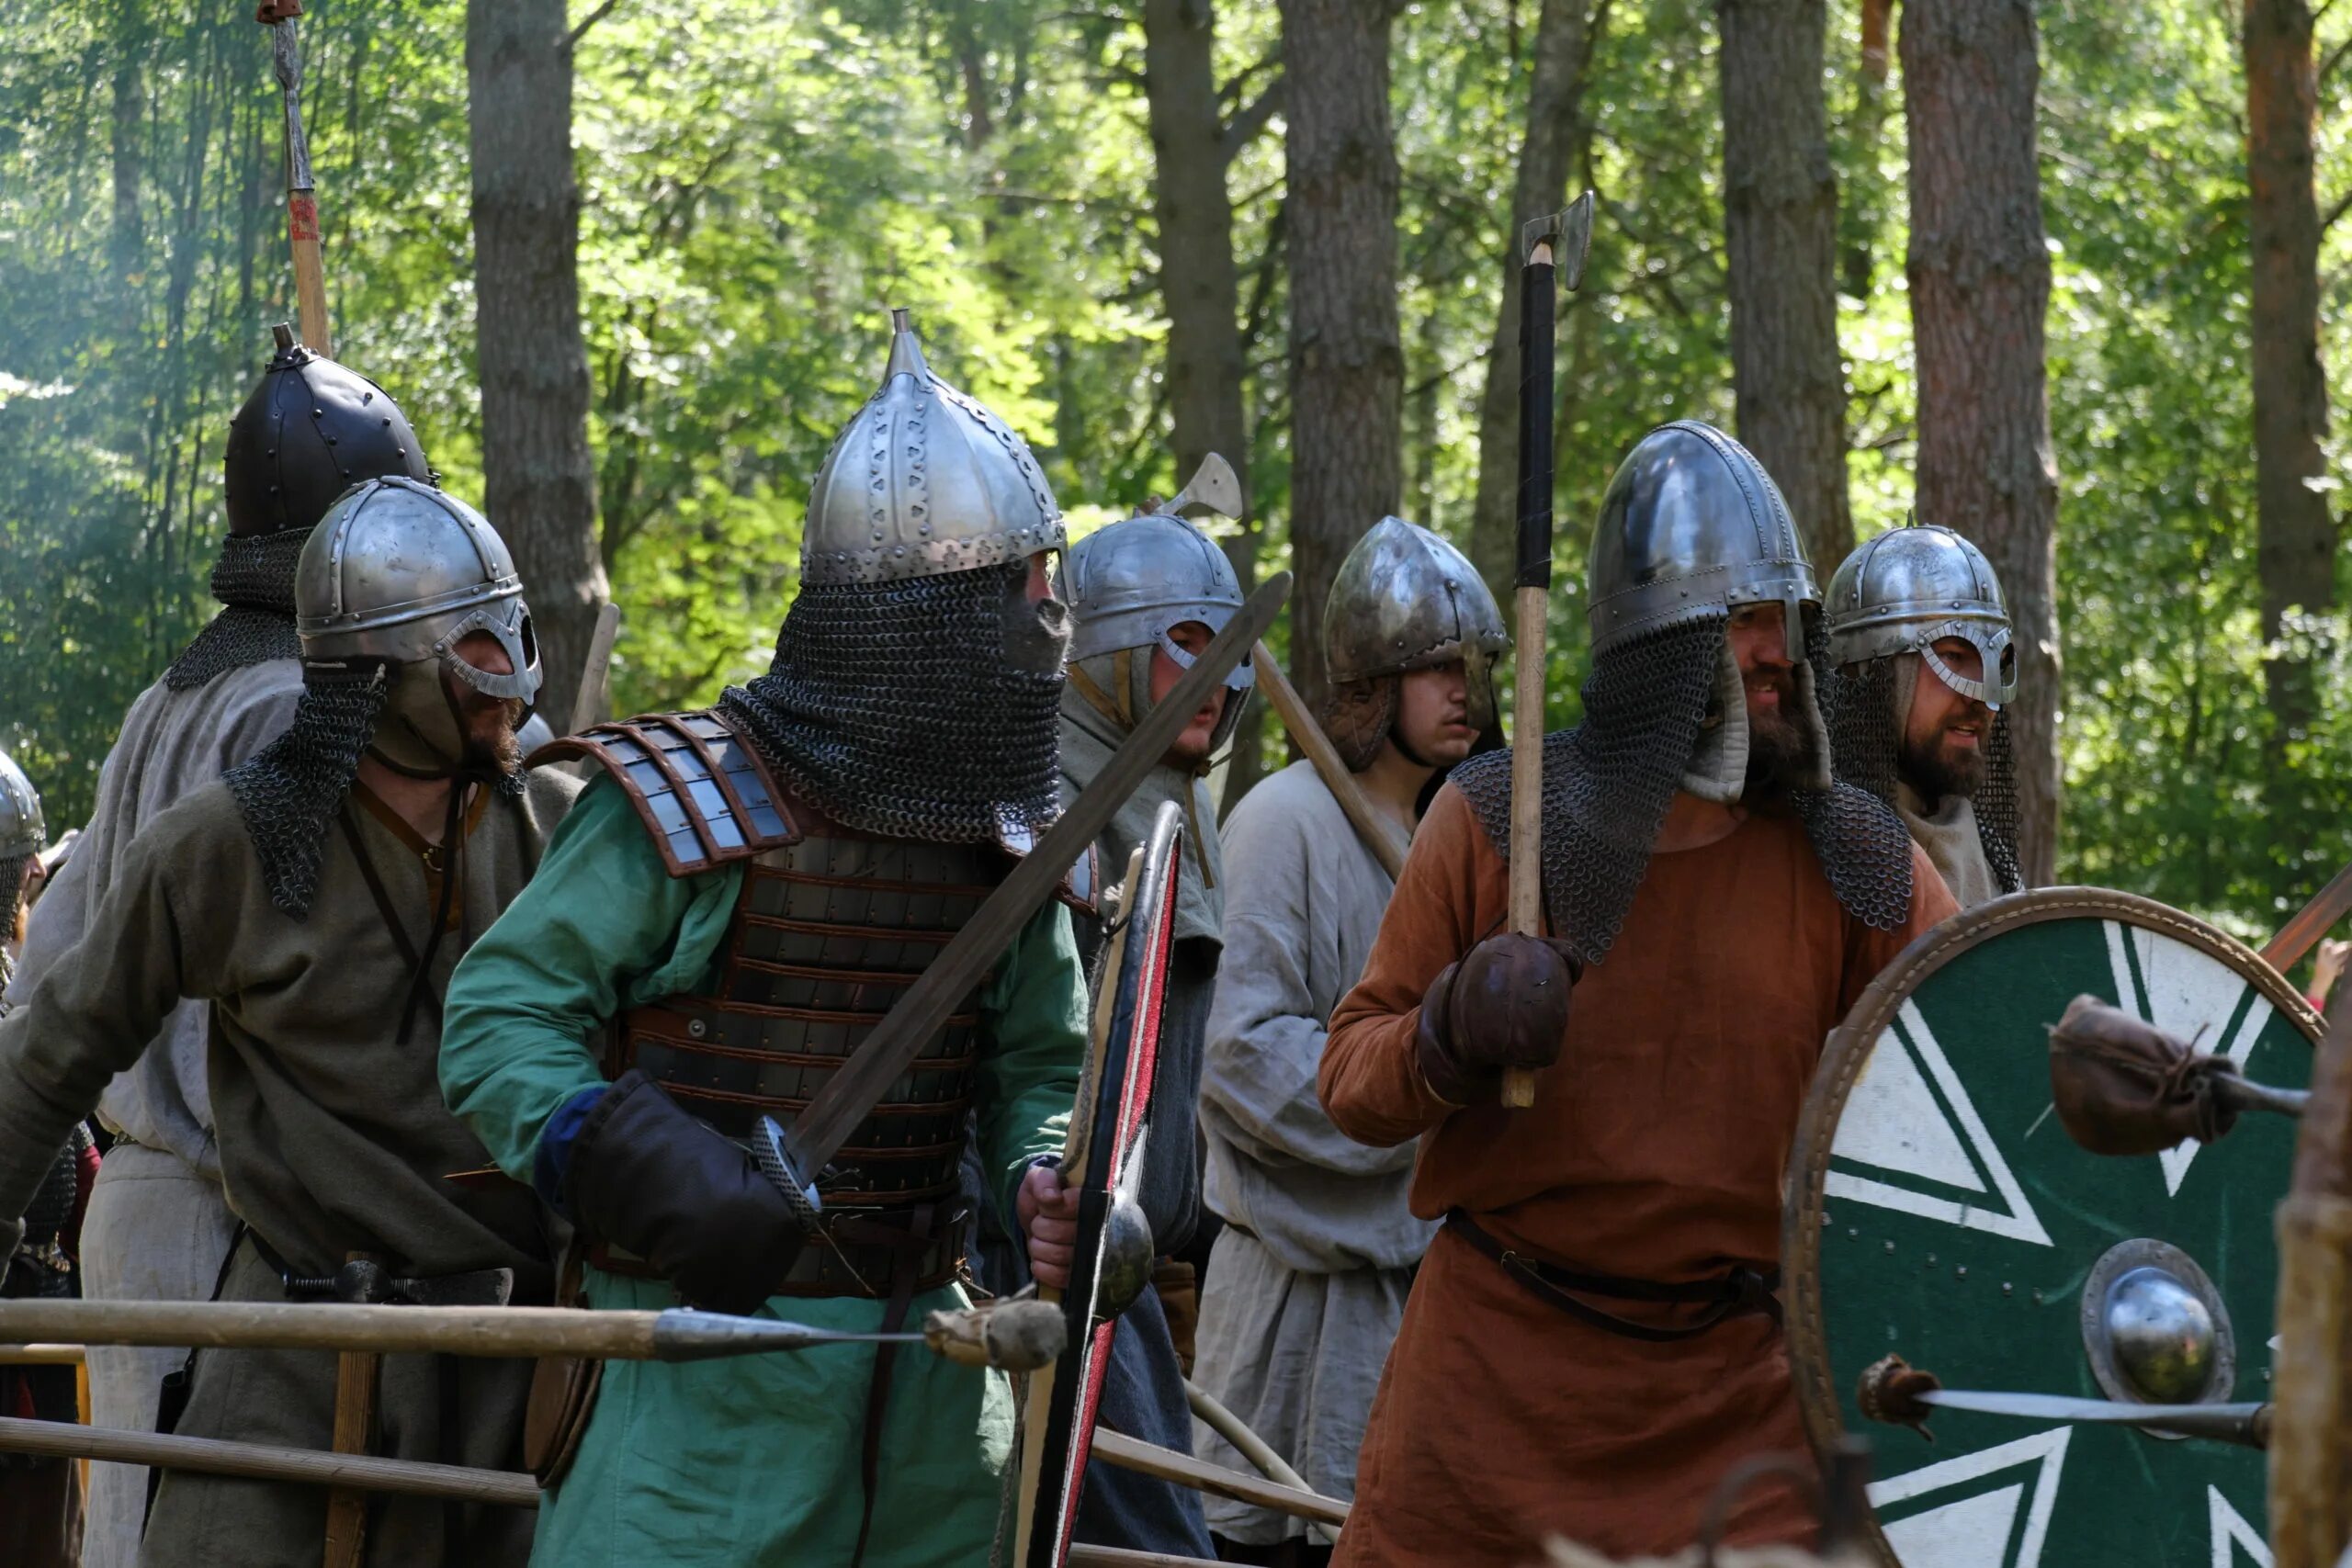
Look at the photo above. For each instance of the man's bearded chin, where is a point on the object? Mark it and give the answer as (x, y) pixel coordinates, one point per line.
(1782, 752)
(501, 751)
(1936, 770)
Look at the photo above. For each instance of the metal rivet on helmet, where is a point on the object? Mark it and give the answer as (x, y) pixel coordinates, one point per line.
(276, 480)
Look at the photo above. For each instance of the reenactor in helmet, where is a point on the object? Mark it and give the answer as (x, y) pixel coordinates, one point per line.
(159, 1224)
(1310, 1275)
(740, 897)
(1592, 1340)
(317, 898)
(40, 1499)
(1145, 595)
(1919, 635)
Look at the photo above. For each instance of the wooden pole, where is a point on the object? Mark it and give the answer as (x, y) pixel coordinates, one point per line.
(1150, 1459)
(1379, 834)
(258, 1462)
(302, 190)
(2311, 922)
(2310, 1431)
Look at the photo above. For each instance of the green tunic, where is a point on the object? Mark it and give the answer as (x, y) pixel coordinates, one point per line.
(752, 1460)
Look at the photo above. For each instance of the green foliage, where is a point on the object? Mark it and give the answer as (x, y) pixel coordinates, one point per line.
(759, 180)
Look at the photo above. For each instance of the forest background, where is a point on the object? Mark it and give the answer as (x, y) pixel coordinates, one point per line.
(1140, 231)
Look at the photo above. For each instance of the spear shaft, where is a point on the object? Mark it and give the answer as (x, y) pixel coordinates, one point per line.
(302, 191)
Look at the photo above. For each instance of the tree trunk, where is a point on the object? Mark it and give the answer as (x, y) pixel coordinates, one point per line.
(129, 121)
(1347, 360)
(1781, 222)
(1547, 156)
(1980, 287)
(1200, 285)
(2297, 553)
(540, 486)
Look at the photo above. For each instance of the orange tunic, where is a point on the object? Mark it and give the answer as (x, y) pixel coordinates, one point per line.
(1656, 1150)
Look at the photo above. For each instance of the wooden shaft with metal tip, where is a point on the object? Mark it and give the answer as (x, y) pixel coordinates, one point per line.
(302, 190)
(1379, 835)
(260, 1462)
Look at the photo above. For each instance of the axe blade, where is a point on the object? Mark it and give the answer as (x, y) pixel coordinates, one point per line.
(1569, 233)
(1214, 485)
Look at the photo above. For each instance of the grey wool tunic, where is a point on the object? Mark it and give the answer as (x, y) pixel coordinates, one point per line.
(1308, 1281)
(333, 1139)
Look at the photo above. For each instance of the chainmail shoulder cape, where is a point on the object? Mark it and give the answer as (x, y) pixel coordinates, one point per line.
(1865, 734)
(255, 579)
(1607, 785)
(897, 710)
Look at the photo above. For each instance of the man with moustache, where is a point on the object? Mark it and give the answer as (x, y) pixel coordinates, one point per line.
(1146, 594)
(1308, 1278)
(1919, 635)
(159, 1223)
(317, 898)
(1593, 1341)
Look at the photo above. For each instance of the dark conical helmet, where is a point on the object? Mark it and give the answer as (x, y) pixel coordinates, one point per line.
(309, 432)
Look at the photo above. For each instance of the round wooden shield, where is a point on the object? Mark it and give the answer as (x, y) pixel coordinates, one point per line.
(1938, 1210)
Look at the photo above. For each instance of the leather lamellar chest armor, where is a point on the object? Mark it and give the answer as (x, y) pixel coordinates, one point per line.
(830, 928)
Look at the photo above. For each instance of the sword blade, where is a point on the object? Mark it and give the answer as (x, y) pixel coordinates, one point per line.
(2245, 1424)
(858, 1085)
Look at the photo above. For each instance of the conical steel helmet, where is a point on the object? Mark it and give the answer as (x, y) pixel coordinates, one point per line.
(1131, 583)
(22, 831)
(1405, 599)
(1693, 525)
(924, 481)
(309, 432)
(1913, 586)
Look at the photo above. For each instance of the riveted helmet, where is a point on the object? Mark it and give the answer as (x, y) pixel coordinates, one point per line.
(1692, 526)
(309, 432)
(1129, 585)
(1910, 588)
(1404, 599)
(924, 481)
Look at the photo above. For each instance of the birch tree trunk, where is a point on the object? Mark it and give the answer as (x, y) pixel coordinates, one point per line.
(1780, 224)
(1547, 156)
(1980, 287)
(539, 484)
(1347, 360)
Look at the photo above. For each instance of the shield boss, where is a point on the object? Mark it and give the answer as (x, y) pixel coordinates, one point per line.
(1938, 1210)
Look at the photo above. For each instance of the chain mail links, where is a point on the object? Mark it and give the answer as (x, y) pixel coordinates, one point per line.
(1862, 844)
(1607, 782)
(254, 578)
(12, 887)
(289, 792)
(892, 706)
(1865, 736)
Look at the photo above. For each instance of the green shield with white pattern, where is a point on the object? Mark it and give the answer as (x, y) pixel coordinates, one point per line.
(1938, 1210)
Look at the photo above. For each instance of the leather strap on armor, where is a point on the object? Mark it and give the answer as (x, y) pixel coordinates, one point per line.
(1737, 1292)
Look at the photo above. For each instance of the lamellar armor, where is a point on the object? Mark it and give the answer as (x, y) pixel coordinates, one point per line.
(1897, 597)
(1130, 585)
(875, 784)
(389, 582)
(1404, 600)
(1692, 528)
(311, 430)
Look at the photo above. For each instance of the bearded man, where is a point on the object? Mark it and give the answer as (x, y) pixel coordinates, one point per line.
(1310, 1275)
(1592, 1341)
(1147, 593)
(1920, 634)
(739, 898)
(317, 898)
(159, 1223)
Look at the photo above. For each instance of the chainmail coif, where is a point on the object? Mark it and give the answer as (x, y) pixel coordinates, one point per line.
(893, 707)
(1866, 735)
(255, 578)
(289, 792)
(1607, 785)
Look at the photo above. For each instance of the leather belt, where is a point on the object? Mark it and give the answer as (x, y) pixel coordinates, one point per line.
(849, 1254)
(1737, 1292)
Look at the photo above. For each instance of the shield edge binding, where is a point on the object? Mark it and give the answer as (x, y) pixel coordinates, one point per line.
(1849, 1045)
(1118, 1080)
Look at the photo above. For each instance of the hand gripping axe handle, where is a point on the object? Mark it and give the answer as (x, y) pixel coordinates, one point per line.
(1553, 255)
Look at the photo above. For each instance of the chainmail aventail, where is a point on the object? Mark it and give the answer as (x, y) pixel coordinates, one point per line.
(289, 792)
(894, 707)
(255, 578)
(1866, 738)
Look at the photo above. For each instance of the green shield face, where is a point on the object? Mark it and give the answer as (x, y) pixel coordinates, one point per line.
(1938, 1210)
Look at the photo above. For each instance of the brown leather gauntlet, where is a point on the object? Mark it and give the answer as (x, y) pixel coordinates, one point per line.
(2124, 1086)
(1503, 1004)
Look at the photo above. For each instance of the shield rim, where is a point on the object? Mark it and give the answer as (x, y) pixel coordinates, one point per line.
(1849, 1045)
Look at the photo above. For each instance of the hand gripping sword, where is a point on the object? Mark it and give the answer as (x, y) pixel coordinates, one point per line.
(1554, 251)
(302, 194)
(794, 1158)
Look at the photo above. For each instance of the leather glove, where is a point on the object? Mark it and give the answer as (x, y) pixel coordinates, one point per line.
(1503, 1004)
(648, 1176)
(2124, 1086)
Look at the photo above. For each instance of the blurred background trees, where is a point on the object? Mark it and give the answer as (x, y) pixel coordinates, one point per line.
(1147, 228)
